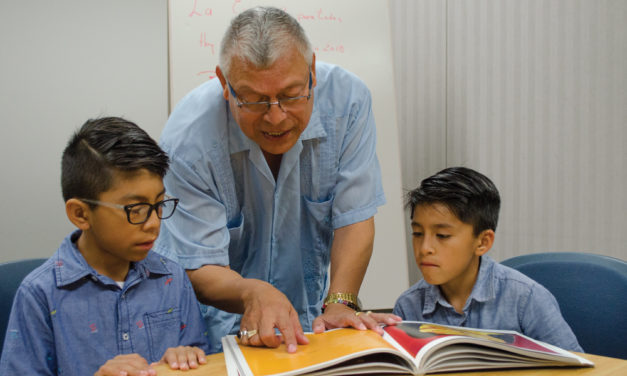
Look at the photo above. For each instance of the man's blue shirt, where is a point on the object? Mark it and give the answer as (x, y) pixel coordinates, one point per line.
(233, 212)
(69, 320)
(502, 298)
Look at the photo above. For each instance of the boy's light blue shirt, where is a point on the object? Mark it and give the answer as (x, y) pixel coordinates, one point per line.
(502, 298)
(233, 212)
(69, 320)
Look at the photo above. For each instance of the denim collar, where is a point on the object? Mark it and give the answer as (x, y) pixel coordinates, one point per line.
(483, 290)
(70, 265)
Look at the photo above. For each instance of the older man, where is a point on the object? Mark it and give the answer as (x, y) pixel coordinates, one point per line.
(276, 170)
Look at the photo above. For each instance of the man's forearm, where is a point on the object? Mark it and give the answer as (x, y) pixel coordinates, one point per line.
(223, 287)
(350, 255)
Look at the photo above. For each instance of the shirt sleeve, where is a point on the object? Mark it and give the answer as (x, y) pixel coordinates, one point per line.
(194, 331)
(541, 319)
(409, 305)
(398, 310)
(29, 347)
(197, 233)
(358, 190)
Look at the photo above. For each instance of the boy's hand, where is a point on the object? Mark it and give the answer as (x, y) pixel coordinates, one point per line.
(340, 316)
(183, 357)
(126, 365)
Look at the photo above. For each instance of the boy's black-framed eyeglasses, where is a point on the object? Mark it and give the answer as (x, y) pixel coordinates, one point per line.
(138, 213)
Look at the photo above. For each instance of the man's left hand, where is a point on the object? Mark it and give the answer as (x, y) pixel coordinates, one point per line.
(340, 316)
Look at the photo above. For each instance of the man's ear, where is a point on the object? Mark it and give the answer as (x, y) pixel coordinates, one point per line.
(486, 239)
(78, 213)
(222, 78)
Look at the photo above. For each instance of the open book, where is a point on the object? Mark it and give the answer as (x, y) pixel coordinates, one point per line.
(408, 347)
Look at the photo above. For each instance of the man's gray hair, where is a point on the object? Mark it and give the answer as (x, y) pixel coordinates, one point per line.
(260, 36)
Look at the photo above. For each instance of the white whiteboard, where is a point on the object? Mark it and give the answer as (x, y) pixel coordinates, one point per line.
(354, 34)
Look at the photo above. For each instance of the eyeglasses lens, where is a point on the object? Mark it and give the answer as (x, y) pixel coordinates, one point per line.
(166, 209)
(140, 213)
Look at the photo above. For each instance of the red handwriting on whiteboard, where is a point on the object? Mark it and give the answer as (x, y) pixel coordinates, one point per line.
(320, 15)
(235, 4)
(327, 17)
(209, 74)
(306, 17)
(204, 43)
(201, 12)
(330, 47)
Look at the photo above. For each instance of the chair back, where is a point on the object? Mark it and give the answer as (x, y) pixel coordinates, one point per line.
(11, 275)
(591, 291)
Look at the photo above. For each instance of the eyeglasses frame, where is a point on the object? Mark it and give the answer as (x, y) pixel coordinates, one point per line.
(268, 103)
(129, 207)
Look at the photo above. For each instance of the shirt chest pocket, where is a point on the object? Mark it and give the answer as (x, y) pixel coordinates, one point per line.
(163, 329)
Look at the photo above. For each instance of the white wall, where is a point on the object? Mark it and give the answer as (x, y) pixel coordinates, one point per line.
(419, 45)
(533, 94)
(62, 63)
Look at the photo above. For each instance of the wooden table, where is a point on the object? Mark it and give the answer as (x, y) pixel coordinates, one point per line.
(603, 366)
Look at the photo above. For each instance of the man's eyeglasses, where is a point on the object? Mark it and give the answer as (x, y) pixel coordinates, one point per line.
(139, 213)
(285, 104)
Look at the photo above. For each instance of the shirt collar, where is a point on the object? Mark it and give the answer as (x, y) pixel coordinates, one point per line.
(70, 265)
(314, 128)
(433, 296)
(483, 290)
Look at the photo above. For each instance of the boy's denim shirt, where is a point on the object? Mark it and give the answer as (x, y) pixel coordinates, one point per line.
(69, 320)
(502, 298)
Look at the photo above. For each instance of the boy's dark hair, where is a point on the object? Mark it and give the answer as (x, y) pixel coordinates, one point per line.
(101, 147)
(470, 195)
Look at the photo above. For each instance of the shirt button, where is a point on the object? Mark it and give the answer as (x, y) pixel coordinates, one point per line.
(125, 336)
(94, 278)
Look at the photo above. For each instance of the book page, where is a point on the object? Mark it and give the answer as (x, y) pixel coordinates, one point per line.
(229, 358)
(324, 349)
(436, 347)
(413, 336)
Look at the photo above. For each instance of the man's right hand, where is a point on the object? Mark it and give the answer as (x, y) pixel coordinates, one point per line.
(266, 308)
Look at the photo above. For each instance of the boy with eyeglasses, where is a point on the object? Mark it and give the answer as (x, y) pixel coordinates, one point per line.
(104, 303)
